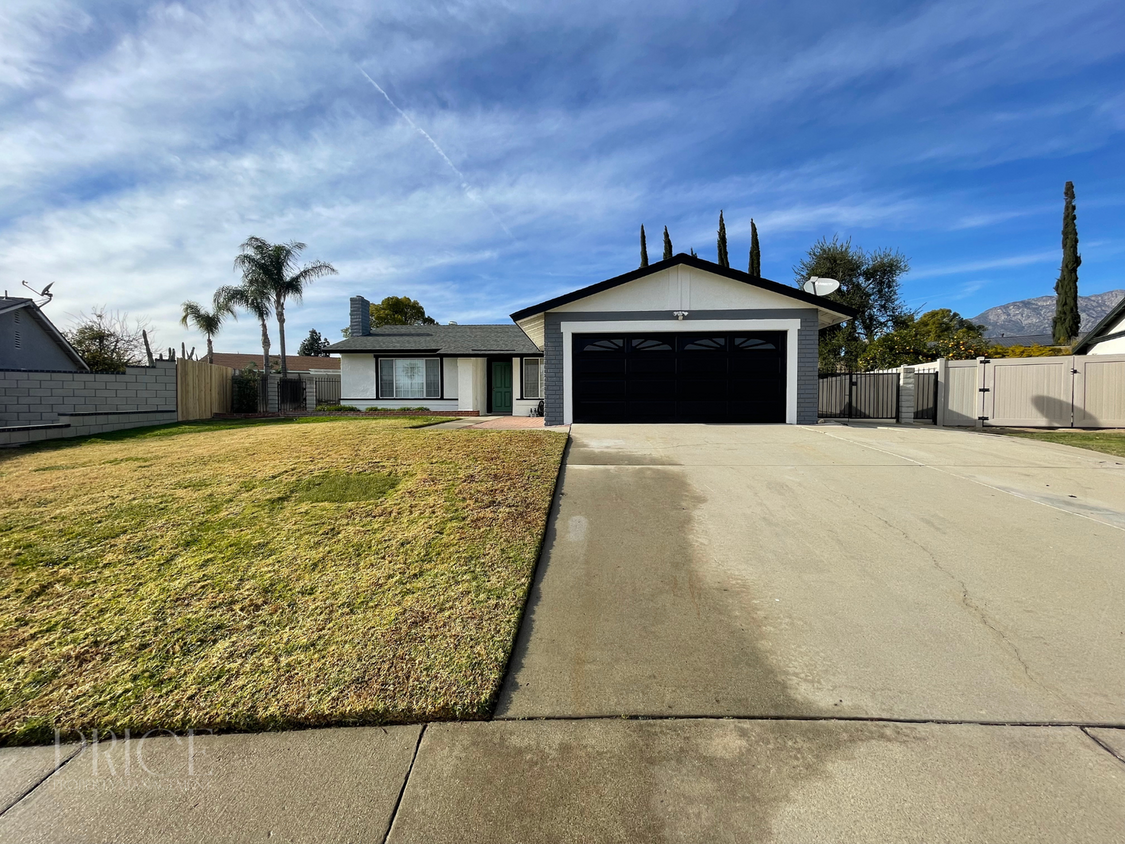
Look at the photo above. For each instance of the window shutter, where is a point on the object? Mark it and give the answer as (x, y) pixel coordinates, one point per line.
(433, 378)
(386, 378)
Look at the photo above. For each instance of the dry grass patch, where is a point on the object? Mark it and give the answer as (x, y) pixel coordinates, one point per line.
(265, 576)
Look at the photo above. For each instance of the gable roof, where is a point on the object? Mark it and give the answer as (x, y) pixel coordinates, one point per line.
(16, 303)
(1097, 332)
(294, 363)
(460, 340)
(698, 263)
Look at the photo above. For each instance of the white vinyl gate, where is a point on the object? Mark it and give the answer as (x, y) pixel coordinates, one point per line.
(1081, 391)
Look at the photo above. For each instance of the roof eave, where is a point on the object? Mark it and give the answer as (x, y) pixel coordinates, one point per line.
(60, 338)
(1092, 335)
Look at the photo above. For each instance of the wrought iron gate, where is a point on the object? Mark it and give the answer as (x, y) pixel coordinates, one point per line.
(925, 396)
(291, 395)
(858, 395)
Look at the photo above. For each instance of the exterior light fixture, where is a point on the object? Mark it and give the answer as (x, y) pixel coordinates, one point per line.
(679, 315)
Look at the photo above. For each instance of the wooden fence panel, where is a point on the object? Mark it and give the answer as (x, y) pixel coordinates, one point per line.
(202, 390)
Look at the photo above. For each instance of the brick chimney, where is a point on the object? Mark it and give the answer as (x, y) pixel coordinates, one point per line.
(360, 317)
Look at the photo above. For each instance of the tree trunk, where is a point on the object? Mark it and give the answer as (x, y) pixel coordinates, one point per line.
(280, 311)
(210, 350)
(265, 348)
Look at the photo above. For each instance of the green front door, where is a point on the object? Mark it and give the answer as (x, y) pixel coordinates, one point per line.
(502, 386)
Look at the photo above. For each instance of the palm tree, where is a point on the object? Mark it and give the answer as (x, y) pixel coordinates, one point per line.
(207, 322)
(273, 267)
(257, 301)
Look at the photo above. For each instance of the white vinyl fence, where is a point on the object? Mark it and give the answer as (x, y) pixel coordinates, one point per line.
(1080, 391)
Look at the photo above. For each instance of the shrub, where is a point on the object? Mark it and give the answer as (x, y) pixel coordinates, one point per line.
(393, 409)
(339, 408)
(1035, 351)
(244, 397)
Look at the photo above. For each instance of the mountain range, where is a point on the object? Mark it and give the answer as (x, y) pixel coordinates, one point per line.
(1032, 317)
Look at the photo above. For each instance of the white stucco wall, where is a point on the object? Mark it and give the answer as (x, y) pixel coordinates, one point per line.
(357, 378)
(1111, 347)
(450, 387)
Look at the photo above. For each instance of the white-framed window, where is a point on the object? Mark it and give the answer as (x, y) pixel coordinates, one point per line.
(533, 378)
(409, 378)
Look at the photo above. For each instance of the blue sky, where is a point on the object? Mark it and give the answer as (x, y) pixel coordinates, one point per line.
(140, 144)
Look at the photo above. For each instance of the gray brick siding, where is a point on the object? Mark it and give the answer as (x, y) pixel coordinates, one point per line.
(807, 339)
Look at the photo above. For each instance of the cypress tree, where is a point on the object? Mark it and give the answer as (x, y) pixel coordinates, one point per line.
(755, 251)
(724, 261)
(644, 249)
(1067, 320)
(667, 245)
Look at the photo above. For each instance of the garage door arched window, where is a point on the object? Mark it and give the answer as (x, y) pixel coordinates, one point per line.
(753, 344)
(703, 344)
(603, 345)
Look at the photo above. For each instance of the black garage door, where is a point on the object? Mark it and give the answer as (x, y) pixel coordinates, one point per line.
(688, 377)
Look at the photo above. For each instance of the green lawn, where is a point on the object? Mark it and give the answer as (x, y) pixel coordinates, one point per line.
(1110, 442)
(265, 575)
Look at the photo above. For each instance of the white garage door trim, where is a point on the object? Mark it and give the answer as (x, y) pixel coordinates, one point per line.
(632, 326)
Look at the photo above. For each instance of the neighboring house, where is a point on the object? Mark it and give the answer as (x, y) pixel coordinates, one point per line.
(683, 340)
(30, 341)
(1022, 340)
(296, 364)
(1107, 337)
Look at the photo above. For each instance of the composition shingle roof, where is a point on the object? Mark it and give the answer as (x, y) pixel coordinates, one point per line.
(464, 340)
(294, 363)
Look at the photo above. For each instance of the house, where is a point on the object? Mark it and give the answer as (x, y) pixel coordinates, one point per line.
(30, 341)
(492, 369)
(1107, 337)
(296, 364)
(682, 340)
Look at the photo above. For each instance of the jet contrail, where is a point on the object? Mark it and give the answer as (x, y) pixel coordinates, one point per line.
(465, 186)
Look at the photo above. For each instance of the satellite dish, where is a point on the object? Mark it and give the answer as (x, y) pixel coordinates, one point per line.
(820, 286)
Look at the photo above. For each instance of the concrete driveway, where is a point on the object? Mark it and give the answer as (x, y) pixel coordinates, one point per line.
(879, 572)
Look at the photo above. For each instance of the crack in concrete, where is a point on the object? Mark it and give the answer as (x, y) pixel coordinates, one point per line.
(1102, 745)
(966, 600)
(405, 780)
(42, 780)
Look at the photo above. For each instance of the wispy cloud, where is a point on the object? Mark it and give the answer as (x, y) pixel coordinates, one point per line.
(990, 264)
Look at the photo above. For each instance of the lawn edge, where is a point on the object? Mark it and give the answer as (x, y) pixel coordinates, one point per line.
(1031, 436)
(552, 512)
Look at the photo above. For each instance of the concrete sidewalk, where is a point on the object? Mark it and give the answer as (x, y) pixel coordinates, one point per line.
(581, 780)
